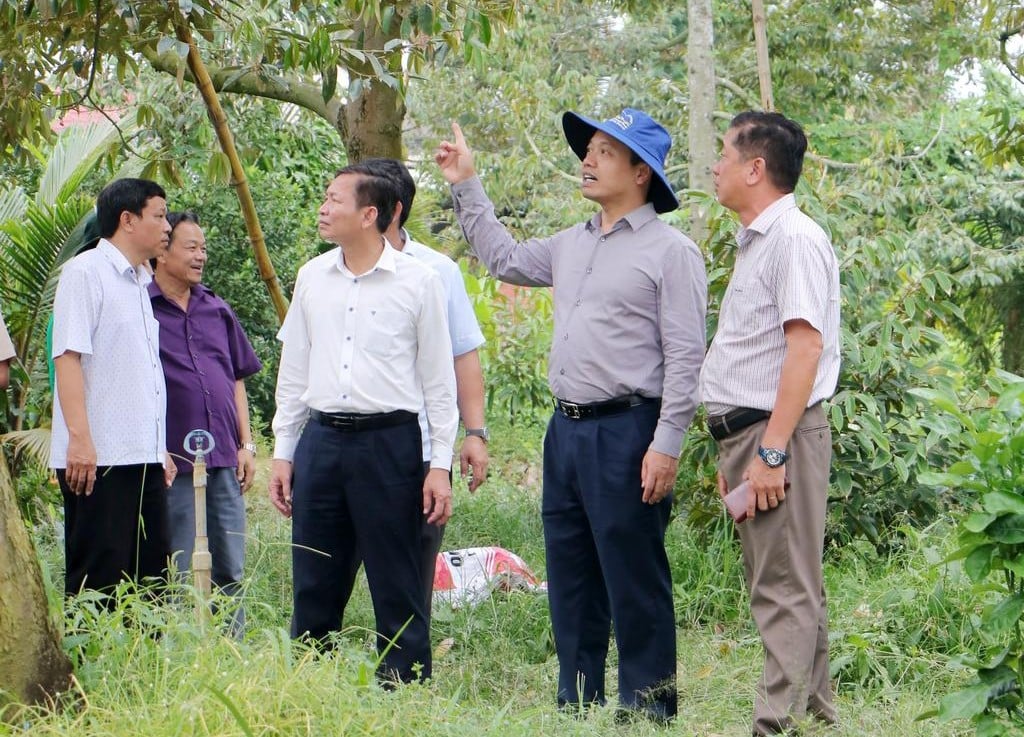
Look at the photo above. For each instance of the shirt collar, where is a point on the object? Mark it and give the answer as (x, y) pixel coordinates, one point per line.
(386, 262)
(197, 290)
(636, 219)
(764, 222)
(117, 259)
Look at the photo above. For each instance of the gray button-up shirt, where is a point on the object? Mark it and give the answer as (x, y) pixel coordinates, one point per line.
(629, 305)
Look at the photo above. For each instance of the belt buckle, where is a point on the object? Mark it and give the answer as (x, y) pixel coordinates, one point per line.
(343, 423)
(571, 410)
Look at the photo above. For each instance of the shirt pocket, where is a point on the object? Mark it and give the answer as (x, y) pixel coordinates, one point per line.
(384, 332)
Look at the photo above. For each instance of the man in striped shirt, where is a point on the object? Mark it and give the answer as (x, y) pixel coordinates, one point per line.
(773, 360)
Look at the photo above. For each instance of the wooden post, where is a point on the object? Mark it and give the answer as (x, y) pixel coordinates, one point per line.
(764, 71)
(202, 561)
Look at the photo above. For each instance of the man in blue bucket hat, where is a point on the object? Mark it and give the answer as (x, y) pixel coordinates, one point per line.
(630, 294)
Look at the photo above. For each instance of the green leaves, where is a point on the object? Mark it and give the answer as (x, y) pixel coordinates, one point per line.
(992, 550)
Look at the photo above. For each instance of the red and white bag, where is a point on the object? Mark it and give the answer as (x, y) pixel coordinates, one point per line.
(469, 576)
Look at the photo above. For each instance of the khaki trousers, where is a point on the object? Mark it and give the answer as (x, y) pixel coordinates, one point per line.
(782, 552)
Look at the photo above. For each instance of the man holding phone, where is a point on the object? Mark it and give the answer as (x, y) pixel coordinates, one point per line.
(773, 360)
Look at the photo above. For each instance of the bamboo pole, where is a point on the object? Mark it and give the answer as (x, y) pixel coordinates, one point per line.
(238, 179)
(764, 72)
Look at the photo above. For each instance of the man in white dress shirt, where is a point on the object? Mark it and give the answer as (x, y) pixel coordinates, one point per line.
(365, 346)
(109, 408)
(466, 338)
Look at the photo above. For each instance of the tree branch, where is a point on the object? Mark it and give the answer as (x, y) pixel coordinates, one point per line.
(285, 89)
(1004, 54)
(739, 92)
(547, 162)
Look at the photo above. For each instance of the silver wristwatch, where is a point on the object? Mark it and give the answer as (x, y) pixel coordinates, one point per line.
(772, 457)
(251, 447)
(478, 432)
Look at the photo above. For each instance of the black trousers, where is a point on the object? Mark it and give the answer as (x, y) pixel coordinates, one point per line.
(359, 495)
(119, 531)
(430, 546)
(606, 562)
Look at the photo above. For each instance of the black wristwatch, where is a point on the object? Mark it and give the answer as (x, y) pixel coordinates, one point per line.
(478, 432)
(772, 457)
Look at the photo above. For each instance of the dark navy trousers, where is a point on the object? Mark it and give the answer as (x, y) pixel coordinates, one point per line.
(606, 562)
(359, 495)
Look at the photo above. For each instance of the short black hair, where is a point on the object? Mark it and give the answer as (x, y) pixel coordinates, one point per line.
(398, 173)
(177, 218)
(776, 139)
(373, 190)
(122, 195)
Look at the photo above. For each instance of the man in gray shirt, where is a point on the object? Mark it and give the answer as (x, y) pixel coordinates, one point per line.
(630, 295)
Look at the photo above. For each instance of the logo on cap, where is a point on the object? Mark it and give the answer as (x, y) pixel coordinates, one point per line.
(624, 120)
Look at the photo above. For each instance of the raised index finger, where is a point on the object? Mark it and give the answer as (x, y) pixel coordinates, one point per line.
(460, 140)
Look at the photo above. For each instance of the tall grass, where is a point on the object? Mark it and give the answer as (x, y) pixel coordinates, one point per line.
(150, 668)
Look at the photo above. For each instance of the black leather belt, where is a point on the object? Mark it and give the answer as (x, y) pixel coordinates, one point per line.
(722, 426)
(350, 421)
(575, 411)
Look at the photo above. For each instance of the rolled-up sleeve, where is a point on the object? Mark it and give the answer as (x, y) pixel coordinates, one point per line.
(682, 304)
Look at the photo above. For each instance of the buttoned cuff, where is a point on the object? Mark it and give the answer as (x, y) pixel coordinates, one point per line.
(284, 448)
(667, 440)
(471, 186)
(441, 456)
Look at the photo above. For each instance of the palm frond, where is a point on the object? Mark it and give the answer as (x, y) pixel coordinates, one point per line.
(32, 446)
(13, 203)
(73, 157)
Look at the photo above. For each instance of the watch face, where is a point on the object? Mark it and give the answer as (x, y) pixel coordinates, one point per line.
(773, 457)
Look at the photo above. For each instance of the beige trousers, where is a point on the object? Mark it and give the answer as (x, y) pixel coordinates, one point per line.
(782, 551)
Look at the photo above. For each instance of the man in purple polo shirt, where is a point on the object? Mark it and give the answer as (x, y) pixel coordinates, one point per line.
(206, 358)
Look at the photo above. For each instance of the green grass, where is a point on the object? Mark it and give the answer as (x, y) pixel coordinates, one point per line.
(153, 670)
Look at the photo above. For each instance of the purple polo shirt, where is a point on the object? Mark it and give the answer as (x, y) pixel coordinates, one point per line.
(203, 352)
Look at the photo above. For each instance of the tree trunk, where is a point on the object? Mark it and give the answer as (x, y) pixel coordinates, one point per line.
(1013, 338)
(370, 124)
(700, 68)
(764, 70)
(33, 668)
(238, 178)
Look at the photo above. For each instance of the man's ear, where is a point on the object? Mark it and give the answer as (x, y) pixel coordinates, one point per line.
(369, 216)
(126, 221)
(757, 172)
(396, 218)
(643, 174)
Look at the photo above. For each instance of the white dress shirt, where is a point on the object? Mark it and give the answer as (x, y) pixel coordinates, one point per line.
(463, 328)
(102, 311)
(367, 343)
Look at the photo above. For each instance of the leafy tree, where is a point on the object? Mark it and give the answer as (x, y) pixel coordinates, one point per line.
(346, 61)
(992, 550)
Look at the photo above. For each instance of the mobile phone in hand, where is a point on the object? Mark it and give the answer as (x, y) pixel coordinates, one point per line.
(736, 503)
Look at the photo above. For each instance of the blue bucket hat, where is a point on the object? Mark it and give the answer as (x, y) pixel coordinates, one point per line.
(639, 132)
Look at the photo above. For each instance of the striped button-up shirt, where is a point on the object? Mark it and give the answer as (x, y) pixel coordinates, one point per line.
(785, 270)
